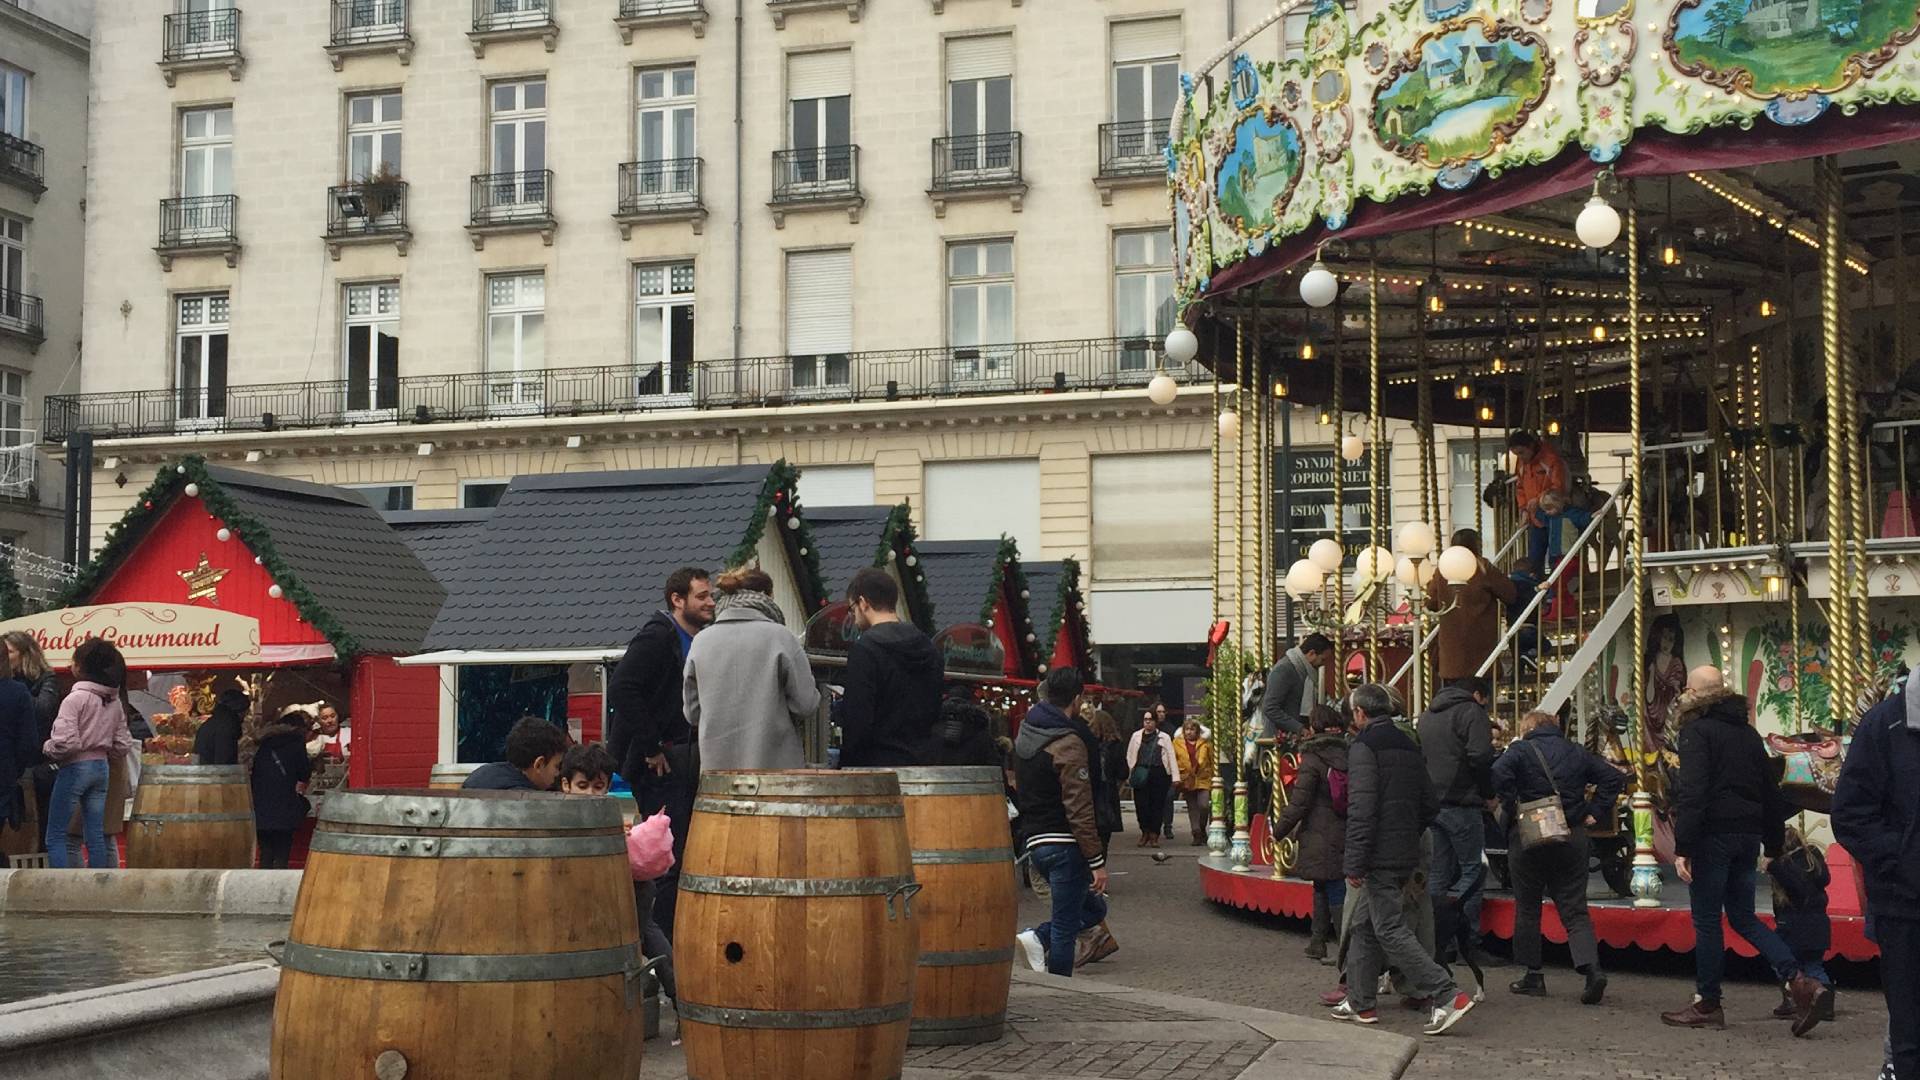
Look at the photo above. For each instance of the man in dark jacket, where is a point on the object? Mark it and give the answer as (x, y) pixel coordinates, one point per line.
(1293, 687)
(893, 679)
(1728, 810)
(1390, 803)
(217, 742)
(1876, 815)
(1057, 772)
(648, 732)
(535, 748)
(1540, 765)
(18, 748)
(1456, 738)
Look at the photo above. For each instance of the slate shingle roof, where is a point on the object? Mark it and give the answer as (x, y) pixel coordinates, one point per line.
(442, 539)
(576, 560)
(340, 549)
(1043, 596)
(960, 578)
(847, 537)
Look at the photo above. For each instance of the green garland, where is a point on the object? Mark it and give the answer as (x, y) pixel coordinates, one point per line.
(783, 481)
(12, 604)
(897, 539)
(157, 499)
(1007, 573)
(1065, 594)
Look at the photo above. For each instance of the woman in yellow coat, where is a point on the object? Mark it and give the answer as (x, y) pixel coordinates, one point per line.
(1194, 754)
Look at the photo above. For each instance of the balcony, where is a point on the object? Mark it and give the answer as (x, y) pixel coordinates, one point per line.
(369, 28)
(496, 21)
(659, 14)
(977, 166)
(23, 164)
(198, 225)
(939, 373)
(816, 178)
(660, 191)
(780, 9)
(367, 212)
(511, 202)
(201, 41)
(23, 317)
(1132, 154)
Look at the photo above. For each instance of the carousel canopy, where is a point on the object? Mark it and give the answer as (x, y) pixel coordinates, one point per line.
(326, 551)
(853, 538)
(575, 561)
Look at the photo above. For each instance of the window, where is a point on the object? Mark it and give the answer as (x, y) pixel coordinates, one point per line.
(518, 119)
(820, 110)
(373, 136)
(481, 494)
(820, 317)
(371, 341)
(386, 496)
(836, 485)
(200, 351)
(967, 500)
(507, 14)
(13, 268)
(13, 409)
(664, 127)
(1142, 293)
(13, 101)
(980, 308)
(516, 337)
(663, 328)
(1146, 83)
(980, 102)
(206, 151)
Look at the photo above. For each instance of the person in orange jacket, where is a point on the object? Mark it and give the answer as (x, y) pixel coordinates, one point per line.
(1542, 490)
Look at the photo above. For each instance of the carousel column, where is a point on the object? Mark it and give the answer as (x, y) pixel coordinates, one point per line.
(1866, 671)
(1840, 653)
(1375, 495)
(1240, 850)
(1646, 868)
(1221, 735)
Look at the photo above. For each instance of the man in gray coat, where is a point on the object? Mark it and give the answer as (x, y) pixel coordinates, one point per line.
(1293, 686)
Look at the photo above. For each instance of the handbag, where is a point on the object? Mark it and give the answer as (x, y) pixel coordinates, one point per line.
(1542, 822)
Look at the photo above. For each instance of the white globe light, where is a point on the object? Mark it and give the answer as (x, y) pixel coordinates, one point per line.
(1353, 448)
(1406, 572)
(1182, 346)
(1161, 389)
(1416, 539)
(1429, 574)
(1318, 285)
(1598, 224)
(1373, 564)
(1229, 424)
(274, 591)
(1458, 565)
(193, 489)
(1304, 578)
(1326, 554)
(224, 535)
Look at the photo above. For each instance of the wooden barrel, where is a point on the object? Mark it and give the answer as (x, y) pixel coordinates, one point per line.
(794, 934)
(447, 776)
(443, 935)
(191, 817)
(969, 906)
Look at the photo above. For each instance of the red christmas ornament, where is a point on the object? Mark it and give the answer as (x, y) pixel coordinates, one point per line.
(149, 504)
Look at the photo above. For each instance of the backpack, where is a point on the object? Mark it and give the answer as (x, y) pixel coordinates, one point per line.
(1337, 790)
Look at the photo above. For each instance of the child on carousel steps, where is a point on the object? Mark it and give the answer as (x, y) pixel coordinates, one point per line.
(1800, 881)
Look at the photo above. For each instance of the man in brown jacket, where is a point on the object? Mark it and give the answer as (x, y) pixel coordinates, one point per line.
(1469, 632)
(1057, 771)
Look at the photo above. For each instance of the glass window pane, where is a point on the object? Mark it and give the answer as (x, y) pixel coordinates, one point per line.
(650, 280)
(1000, 257)
(359, 157)
(1166, 88)
(683, 278)
(389, 299)
(999, 116)
(360, 110)
(190, 373)
(223, 121)
(533, 290)
(839, 129)
(1127, 304)
(535, 153)
(1127, 95)
(533, 341)
(500, 342)
(649, 344)
(190, 308)
(806, 124)
(1162, 305)
(359, 300)
(966, 261)
(651, 136)
(390, 108)
(505, 140)
(499, 292)
(217, 309)
(504, 96)
(653, 84)
(963, 108)
(682, 81)
(964, 317)
(999, 324)
(536, 95)
(682, 134)
(1162, 242)
(193, 174)
(220, 176)
(390, 151)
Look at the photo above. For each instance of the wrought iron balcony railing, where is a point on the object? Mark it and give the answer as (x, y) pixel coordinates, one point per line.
(492, 15)
(896, 374)
(23, 163)
(369, 208)
(814, 173)
(199, 221)
(648, 187)
(200, 35)
(509, 197)
(369, 22)
(1134, 147)
(642, 9)
(973, 161)
(23, 314)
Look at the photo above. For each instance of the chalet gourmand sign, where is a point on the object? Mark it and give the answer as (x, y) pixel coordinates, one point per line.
(151, 635)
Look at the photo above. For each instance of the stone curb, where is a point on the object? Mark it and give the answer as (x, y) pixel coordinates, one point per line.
(150, 892)
(212, 1024)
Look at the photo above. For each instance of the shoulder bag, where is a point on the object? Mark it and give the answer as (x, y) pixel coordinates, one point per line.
(1542, 822)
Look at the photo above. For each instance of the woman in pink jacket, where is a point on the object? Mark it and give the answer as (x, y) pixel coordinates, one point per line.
(90, 730)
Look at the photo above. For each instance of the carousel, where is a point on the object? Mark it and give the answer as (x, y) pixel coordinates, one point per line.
(1666, 240)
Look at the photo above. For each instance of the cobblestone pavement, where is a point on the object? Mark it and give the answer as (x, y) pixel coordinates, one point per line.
(1174, 941)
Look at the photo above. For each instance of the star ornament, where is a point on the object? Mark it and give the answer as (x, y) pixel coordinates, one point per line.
(202, 580)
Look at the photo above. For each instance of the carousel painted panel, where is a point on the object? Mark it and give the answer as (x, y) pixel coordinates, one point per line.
(1674, 587)
(1888, 577)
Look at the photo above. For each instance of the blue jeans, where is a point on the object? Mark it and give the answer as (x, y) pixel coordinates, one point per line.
(1725, 874)
(1457, 871)
(1543, 541)
(1075, 905)
(85, 783)
(1333, 892)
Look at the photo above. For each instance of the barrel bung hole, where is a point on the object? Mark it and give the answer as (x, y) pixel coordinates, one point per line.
(735, 953)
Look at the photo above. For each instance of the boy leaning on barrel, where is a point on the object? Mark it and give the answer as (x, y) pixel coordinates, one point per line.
(1057, 766)
(534, 750)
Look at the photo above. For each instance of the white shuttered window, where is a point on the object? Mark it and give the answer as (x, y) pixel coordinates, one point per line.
(986, 57)
(969, 500)
(1146, 39)
(1150, 517)
(820, 74)
(819, 316)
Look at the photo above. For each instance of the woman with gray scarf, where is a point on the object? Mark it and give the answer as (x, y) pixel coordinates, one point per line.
(748, 688)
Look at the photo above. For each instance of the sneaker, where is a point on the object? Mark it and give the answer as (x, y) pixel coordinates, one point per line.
(1532, 984)
(1698, 1014)
(1346, 1011)
(1446, 1015)
(1036, 952)
(1596, 988)
(1335, 996)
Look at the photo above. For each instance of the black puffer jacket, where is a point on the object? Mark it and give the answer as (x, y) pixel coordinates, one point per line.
(1390, 801)
(645, 694)
(1727, 786)
(1457, 739)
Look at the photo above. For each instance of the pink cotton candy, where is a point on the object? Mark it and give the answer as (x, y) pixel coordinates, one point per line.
(650, 847)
